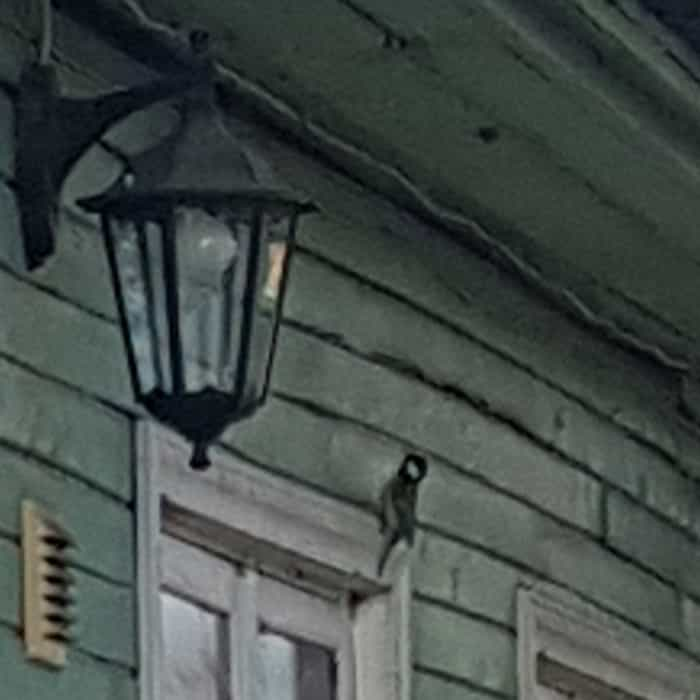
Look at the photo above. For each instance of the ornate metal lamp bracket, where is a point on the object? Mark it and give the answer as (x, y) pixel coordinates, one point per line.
(53, 132)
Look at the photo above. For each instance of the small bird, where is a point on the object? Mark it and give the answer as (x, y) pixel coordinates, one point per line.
(398, 506)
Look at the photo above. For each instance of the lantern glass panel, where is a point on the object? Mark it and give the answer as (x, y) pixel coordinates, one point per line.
(212, 252)
(232, 269)
(138, 250)
(273, 257)
(272, 276)
(200, 284)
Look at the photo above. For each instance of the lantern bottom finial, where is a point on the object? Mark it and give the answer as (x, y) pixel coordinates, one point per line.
(200, 459)
(200, 417)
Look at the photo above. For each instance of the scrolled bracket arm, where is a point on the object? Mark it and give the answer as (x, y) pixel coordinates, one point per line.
(53, 132)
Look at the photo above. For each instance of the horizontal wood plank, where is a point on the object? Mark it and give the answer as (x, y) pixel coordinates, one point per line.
(67, 428)
(101, 526)
(655, 544)
(375, 239)
(484, 302)
(464, 648)
(466, 578)
(327, 83)
(353, 463)
(83, 677)
(387, 329)
(75, 347)
(491, 47)
(311, 370)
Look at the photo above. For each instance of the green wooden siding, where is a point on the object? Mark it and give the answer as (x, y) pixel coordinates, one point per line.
(554, 455)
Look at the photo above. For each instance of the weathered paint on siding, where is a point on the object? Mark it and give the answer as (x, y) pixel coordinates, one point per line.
(553, 455)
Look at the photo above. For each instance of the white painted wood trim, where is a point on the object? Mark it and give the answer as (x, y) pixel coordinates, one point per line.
(527, 646)
(383, 662)
(272, 510)
(309, 617)
(244, 500)
(243, 633)
(202, 578)
(147, 561)
(296, 613)
(347, 660)
(400, 617)
(575, 633)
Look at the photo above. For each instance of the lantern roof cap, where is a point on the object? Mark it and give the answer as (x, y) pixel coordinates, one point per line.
(200, 163)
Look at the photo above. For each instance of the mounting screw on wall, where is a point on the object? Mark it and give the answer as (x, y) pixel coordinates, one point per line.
(49, 604)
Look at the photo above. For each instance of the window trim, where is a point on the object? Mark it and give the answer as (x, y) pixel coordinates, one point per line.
(243, 598)
(263, 517)
(214, 589)
(579, 635)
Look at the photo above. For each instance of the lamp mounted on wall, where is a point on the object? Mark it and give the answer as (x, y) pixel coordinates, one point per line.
(198, 248)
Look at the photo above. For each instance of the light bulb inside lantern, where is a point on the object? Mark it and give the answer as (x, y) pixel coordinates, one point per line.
(206, 245)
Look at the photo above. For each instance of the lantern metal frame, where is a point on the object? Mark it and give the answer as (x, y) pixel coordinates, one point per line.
(53, 132)
(202, 415)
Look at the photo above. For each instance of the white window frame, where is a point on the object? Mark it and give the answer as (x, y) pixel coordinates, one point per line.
(572, 632)
(240, 510)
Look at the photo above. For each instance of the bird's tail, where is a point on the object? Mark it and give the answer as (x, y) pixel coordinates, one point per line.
(389, 543)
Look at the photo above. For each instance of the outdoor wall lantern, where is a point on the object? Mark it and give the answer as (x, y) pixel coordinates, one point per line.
(198, 250)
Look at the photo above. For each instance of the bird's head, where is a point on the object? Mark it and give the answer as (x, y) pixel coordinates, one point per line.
(413, 468)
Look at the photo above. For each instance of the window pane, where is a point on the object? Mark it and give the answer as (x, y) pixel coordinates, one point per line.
(276, 677)
(193, 653)
(316, 672)
(293, 670)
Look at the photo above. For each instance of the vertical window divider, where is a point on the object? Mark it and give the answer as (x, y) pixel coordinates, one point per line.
(243, 634)
(148, 584)
(346, 653)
